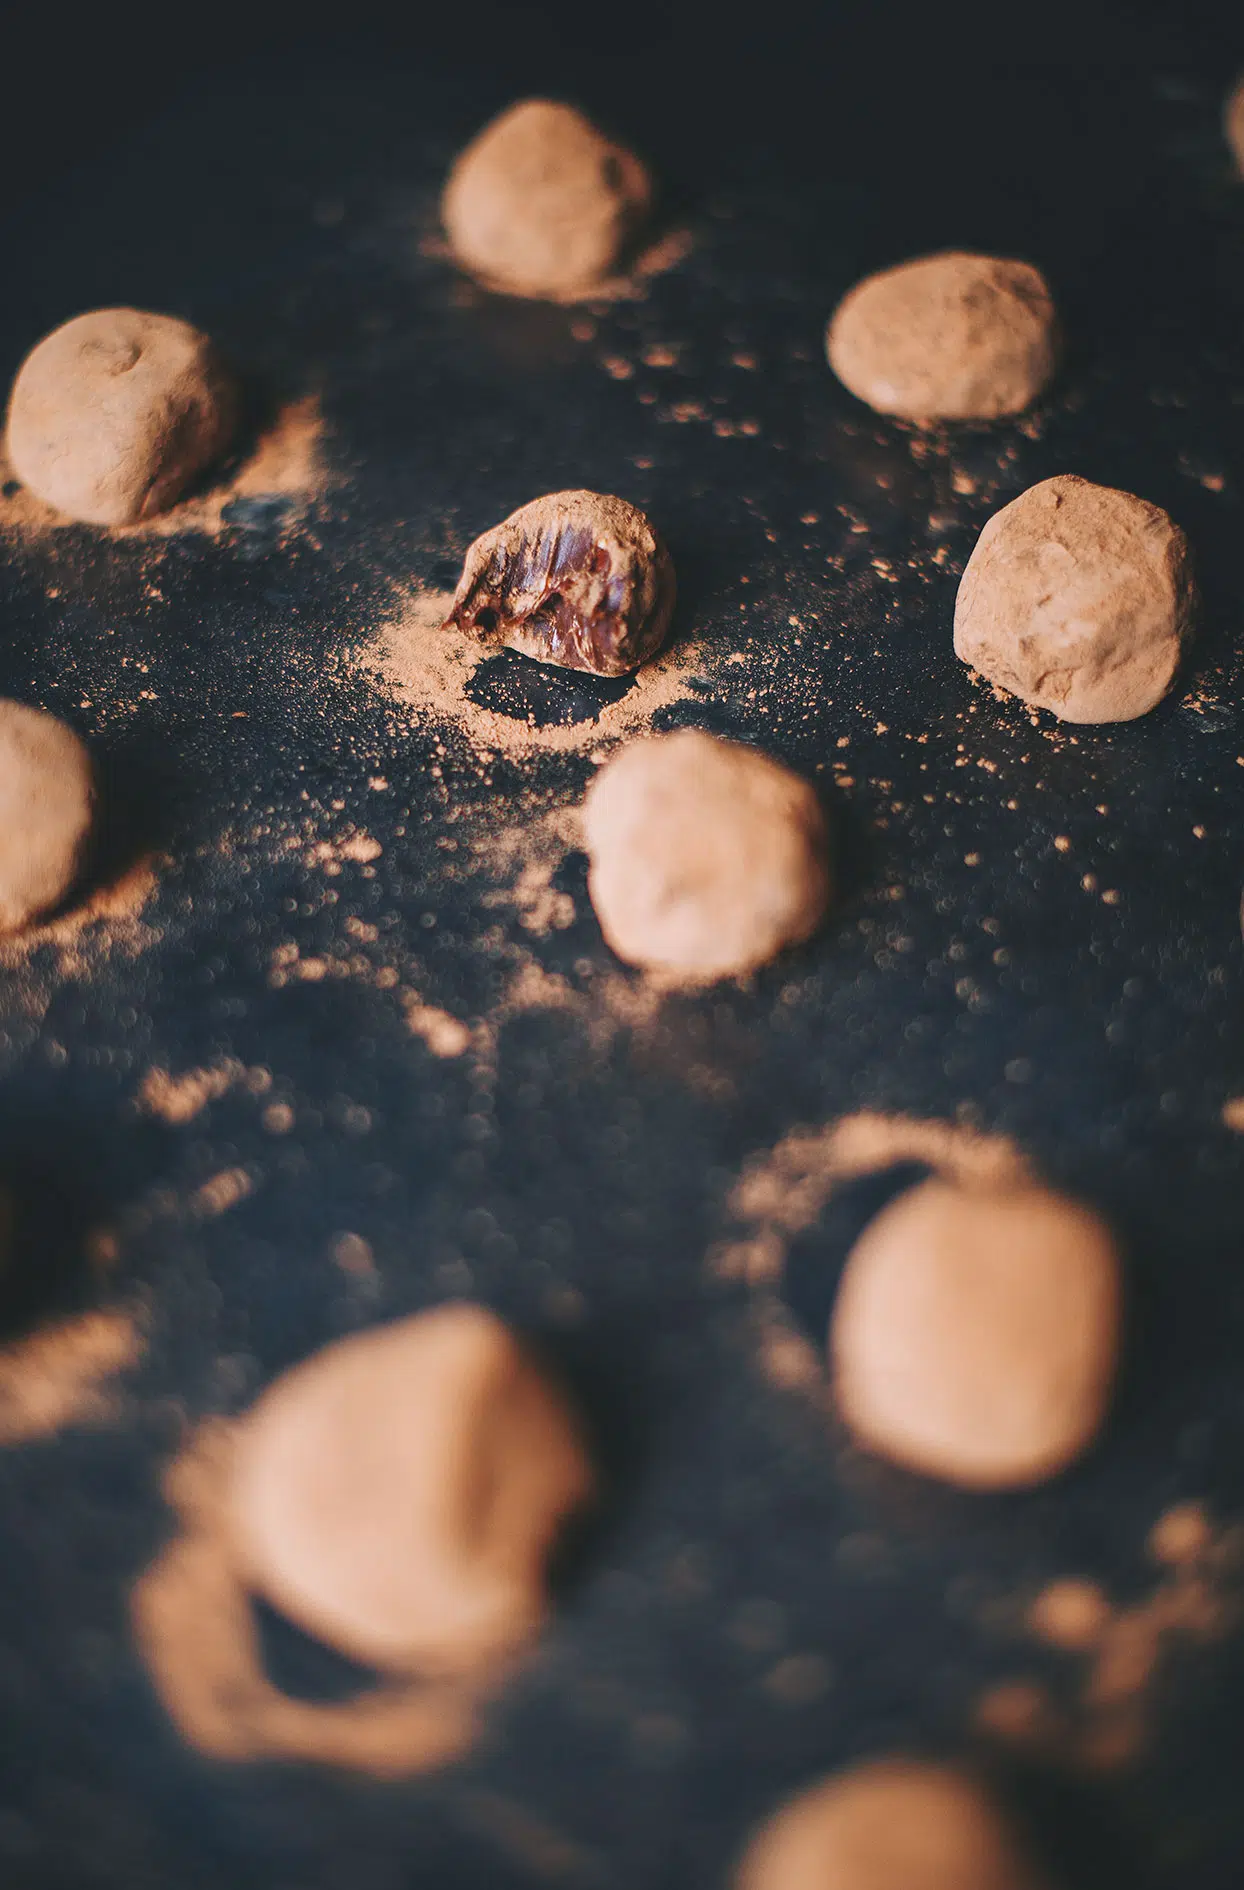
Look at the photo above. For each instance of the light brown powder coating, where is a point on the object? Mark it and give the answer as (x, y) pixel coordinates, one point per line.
(706, 856)
(1070, 1614)
(107, 921)
(221, 1192)
(286, 461)
(974, 1335)
(580, 579)
(426, 664)
(1122, 1649)
(179, 1099)
(946, 337)
(782, 1190)
(398, 1493)
(540, 203)
(57, 1374)
(195, 1628)
(887, 1824)
(116, 412)
(47, 806)
(444, 1035)
(1078, 599)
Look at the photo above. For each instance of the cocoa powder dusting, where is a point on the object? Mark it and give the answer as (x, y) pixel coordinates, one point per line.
(287, 460)
(180, 1098)
(57, 1375)
(426, 665)
(107, 923)
(221, 1193)
(783, 1189)
(1123, 1648)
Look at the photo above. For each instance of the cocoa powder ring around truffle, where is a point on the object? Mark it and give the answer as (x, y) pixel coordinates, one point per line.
(329, 1033)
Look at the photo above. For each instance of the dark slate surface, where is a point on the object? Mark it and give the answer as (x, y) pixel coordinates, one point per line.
(578, 1194)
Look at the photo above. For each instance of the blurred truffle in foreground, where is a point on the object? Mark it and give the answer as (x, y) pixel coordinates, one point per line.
(887, 1824)
(976, 1331)
(398, 1493)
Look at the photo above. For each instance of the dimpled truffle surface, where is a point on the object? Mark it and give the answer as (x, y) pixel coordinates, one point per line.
(949, 337)
(1079, 599)
(887, 1824)
(706, 856)
(47, 804)
(579, 579)
(115, 413)
(975, 1333)
(398, 1493)
(541, 203)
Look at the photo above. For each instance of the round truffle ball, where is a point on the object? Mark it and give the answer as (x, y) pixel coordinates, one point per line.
(949, 337)
(889, 1824)
(113, 415)
(975, 1333)
(706, 856)
(47, 805)
(542, 204)
(398, 1493)
(1079, 599)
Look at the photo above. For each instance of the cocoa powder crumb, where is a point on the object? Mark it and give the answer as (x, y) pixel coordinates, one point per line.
(57, 1375)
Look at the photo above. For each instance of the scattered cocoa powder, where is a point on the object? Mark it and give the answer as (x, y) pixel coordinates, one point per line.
(783, 1189)
(287, 461)
(180, 1098)
(1123, 1647)
(107, 923)
(221, 1193)
(57, 1375)
(445, 1036)
(528, 856)
(426, 667)
(1071, 1614)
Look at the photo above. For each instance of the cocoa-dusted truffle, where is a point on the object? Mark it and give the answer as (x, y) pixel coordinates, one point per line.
(887, 1824)
(543, 204)
(948, 337)
(47, 805)
(975, 1332)
(1078, 598)
(398, 1493)
(707, 857)
(115, 413)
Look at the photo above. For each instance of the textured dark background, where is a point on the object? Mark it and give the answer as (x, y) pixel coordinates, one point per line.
(268, 174)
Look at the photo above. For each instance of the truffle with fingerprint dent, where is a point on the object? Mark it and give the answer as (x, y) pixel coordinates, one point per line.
(114, 414)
